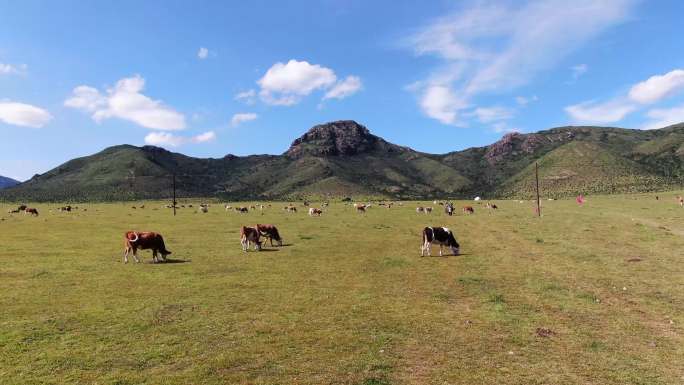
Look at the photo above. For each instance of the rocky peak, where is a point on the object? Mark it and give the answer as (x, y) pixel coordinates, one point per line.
(513, 144)
(343, 137)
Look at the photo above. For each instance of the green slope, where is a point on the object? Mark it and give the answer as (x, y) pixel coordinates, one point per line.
(343, 158)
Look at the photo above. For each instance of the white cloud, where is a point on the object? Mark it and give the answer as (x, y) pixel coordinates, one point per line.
(523, 101)
(21, 114)
(657, 87)
(648, 91)
(125, 101)
(237, 119)
(664, 117)
(9, 69)
(495, 47)
(286, 84)
(439, 102)
(503, 127)
(344, 88)
(579, 70)
(608, 112)
(168, 139)
(203, 53)
(248, 97)
(492, 114)
(208, 136)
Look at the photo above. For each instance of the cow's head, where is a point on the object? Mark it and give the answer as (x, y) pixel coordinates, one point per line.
(455, 247)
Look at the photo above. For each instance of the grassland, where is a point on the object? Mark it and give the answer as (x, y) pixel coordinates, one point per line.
(583, 295)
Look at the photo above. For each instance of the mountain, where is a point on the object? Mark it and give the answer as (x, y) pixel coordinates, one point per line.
(344, 158)
(7, 182)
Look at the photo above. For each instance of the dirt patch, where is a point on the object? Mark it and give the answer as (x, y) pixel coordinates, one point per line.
(545, 332)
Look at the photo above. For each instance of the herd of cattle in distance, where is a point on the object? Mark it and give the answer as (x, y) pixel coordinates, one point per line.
(252, 235)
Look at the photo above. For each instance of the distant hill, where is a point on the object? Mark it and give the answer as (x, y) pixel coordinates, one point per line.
(344, 159)
(7, 182)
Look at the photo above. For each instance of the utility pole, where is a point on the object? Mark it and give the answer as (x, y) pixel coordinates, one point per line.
(536, 177)
(174, 195)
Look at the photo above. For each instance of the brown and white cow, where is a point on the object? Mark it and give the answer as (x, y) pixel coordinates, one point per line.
(315, 212)
(270, 232)
(420, 209)
(441, 236)
(32, 211)
(360, 208)
(468, 210)
(134, 240)
(247, 235)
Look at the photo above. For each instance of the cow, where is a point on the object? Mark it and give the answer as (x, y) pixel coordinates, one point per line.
(30, 210)
(13, 211)
(361, 209)
(468, 210)
(428, 210)
(203, 209)
(270, 232)
(247, 235)
(420, 209)
(242, 210)
(492, 206)
(291, 209)
(134, 240)
(441, 236)
(65, 208)
(228, 207)
(315, 212)
(449, 209)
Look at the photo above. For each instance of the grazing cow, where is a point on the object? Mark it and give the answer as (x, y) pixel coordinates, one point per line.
(134, 240)
(270, 232)
(65, 208)
(247, 235)
(420, 210)
(242, 210)
(13, 211)
(291, 209)
(468, 210)
(32, 211)
(228, 207)
(325, 204)
(441, 236)
(428, 210)
(203, 209)
(449, 209)
(360, 209)
(357, 205)
(314, 211)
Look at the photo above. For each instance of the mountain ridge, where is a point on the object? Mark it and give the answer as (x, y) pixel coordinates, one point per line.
(343, 158)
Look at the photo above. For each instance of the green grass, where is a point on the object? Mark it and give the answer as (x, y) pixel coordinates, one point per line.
(348, 300)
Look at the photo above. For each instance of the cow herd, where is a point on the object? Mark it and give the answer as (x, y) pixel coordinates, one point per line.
(253, 236)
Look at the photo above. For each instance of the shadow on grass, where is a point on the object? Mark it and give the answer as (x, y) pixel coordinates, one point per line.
(167, 261)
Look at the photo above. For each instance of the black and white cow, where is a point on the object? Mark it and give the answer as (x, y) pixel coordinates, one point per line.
(441, 236)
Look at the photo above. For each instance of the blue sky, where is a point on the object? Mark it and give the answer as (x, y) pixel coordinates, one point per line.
(212, 78)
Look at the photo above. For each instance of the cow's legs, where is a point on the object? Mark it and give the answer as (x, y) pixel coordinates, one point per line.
(135, 256)
(125, 256)
(154, 255)
(440, 249)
